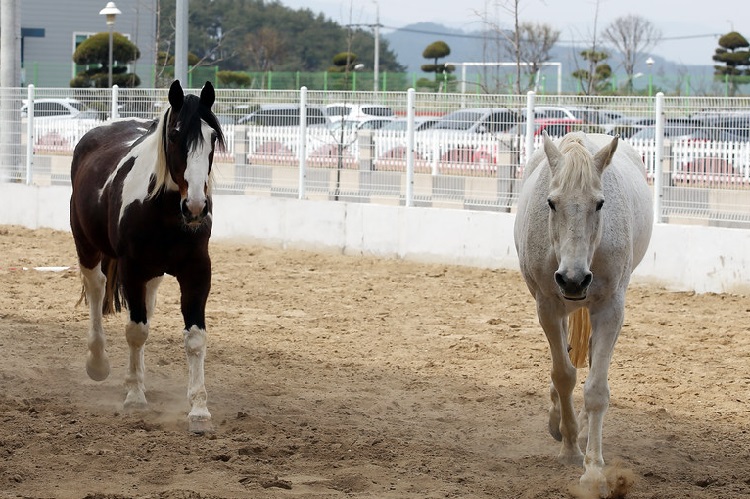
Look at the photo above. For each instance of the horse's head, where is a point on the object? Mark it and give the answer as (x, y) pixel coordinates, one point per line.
(191, 133)
(575, 204)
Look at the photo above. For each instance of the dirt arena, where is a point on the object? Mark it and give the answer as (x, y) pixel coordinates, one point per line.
(338, 376)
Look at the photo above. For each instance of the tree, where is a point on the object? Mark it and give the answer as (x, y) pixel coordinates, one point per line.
(730, 54)
(536, 41)
(266, 47)
(596, 80)
(219, 30)
(94, 53)
(632, 36)
(343, 62)
(437, 50)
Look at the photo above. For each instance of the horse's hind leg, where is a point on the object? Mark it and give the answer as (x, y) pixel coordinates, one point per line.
(94, 283)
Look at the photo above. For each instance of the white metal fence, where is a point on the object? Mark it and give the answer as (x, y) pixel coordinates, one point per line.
(696, 150)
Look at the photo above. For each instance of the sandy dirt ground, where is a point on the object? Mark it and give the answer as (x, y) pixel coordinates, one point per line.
(349, 376)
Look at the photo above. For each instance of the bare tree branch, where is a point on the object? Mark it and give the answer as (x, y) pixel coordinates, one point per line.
(631, 35)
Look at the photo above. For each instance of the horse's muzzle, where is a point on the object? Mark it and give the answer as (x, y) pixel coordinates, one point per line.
(573, 285)
(194, 213)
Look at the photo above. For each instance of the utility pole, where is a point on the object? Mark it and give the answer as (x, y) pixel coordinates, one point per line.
(10, 79)
(376, 61)
(181, 43)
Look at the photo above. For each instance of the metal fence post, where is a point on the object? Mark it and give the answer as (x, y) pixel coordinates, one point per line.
(302, 142)
(658, 170)
(29, 134)
(410, 147)
(115, 113)
(529, 124)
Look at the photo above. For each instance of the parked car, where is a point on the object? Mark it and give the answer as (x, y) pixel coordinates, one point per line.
(420, 123)
(351, 126)
(357, 112)
(555, 127)
(552, 112)
(283, 115)
(62, 108)
(646, 129)
(477, 120)
(596, 116)
(466, 135)
(671, 131)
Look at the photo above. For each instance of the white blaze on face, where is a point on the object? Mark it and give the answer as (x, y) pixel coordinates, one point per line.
(197, 170)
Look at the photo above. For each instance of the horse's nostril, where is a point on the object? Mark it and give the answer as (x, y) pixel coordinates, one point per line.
(184, 208)
(204, 212)
(587, 280)
(560, 279)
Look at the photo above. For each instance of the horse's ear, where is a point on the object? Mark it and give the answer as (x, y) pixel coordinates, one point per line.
(208, 96)
(552, 152)
(603, 158)
(176, 96)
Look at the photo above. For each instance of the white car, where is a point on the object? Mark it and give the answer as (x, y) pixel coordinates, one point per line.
(63, 108)
(358, 112)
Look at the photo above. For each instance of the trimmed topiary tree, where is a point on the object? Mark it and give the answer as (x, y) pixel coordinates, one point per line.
(94, 53)
(733, 58)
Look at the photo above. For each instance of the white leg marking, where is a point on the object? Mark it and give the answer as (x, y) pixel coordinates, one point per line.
(136, 335)
(199, 418)
(97, 363)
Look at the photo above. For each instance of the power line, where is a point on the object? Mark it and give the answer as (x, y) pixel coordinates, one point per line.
(571, 41)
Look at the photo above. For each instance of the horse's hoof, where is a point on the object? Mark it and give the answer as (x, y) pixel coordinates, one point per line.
(135, 401)
(594, 482)
(200, 426)
(97, 369)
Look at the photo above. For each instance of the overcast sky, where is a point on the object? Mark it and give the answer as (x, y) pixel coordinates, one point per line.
(689, 28)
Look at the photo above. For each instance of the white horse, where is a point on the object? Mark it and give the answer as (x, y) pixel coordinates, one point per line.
(584, 222)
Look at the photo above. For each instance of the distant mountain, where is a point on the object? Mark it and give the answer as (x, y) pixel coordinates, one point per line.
(409, 41)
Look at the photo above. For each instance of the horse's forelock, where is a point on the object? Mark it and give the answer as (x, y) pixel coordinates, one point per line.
(192, 113)
(577, 169)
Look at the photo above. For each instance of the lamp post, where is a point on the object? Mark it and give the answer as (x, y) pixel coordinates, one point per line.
(376, 62)
(650, 63)
(110, 11)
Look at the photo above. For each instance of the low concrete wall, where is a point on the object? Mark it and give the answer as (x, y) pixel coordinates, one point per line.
(680, 257)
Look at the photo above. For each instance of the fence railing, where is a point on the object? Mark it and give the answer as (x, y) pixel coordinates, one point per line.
(701, 177)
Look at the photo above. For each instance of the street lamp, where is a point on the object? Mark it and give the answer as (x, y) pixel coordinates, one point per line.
(650, 63)
(376, 61)
(110, 11)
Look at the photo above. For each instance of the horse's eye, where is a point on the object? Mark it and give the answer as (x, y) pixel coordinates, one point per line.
(599, 204)
(173, 134)
(551, 204)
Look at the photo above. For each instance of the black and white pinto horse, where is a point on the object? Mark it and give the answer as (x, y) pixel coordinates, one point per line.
(141, 208)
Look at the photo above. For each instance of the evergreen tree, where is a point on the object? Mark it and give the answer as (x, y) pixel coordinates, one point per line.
(733, 58)
(94, 54)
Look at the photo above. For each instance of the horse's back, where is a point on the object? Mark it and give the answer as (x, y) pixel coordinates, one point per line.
(102, 147)
(95, 157)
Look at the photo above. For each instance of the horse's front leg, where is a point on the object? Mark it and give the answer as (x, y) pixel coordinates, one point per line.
(562, 420)
(606, 323)
(141, 299)
(94, 282)
(194, 288)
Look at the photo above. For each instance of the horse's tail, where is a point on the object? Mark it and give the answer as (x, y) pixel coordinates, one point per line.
(579, 333)
(112, 302)
(112, 299)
